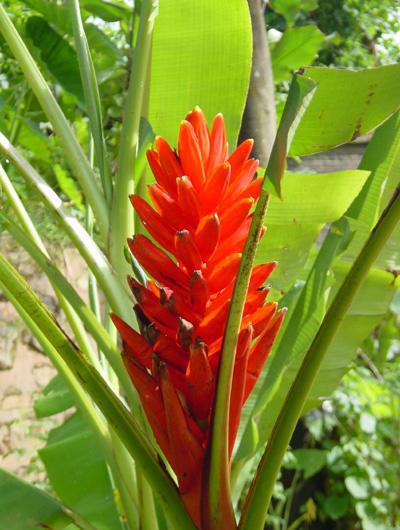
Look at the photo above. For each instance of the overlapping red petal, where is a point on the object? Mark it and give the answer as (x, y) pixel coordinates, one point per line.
(202, 201)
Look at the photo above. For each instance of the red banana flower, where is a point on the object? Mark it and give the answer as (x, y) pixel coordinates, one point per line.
(202, 200)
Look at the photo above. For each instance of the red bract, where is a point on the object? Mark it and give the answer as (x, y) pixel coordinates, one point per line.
(201, 218)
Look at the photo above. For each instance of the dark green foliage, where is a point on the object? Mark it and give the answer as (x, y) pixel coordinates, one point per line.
(359, 33)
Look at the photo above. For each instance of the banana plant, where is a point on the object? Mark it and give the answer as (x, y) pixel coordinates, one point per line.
(184, 372)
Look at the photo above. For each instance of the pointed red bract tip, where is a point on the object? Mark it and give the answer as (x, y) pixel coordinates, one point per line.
(203, 200)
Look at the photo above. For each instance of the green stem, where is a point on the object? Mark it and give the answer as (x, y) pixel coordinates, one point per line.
(73, 151)
(92, 96)
(260, 493)
(33, 236)
(109, 404)
(98, 332)
(34, 245)
(124, 475)
(122, 213)
(116, 293)
(219, 511)
(93, 292)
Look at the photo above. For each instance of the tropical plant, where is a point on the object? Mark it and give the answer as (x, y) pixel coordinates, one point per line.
(163, 454)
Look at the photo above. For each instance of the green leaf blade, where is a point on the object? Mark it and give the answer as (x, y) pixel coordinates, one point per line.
(347, 104)
(203, 61)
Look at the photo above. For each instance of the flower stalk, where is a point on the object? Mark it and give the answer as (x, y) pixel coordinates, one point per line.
(219, 503)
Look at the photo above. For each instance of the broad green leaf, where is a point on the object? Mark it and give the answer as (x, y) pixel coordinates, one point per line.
(74, 460)
(346, 104)
(367, 311)
(336, 506)
(25, 507)
(383, 157)
(300, 94)
(57, 54)
(55, 398)
(293, 224)
(75, 465)
(310, 461)
(53, 13)
(290, 9)
(369, 307)
(315, 198)
(201, 55)
(358, 487)
(301, 325)
(33, 139)
(104, 50)
(305, 315)
(297, 47)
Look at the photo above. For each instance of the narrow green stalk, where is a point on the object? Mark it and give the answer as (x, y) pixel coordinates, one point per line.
(93, 291)
(109, 404)
(259, 497)
(34, 245)
(73, 151)
(98, 332)
(113, 288)
(219, 511)
(92, 96)
(122, 213)
(29, 228)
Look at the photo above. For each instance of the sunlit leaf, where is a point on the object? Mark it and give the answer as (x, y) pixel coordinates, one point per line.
(55, 398)
(309, 201)
(297, 47)
(201, 56)
(347, 104)
(77, 471)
